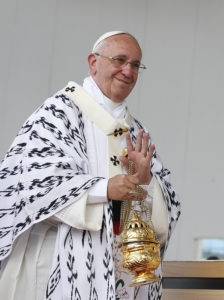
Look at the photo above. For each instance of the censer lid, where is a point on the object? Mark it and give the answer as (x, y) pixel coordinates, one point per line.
(136, 230)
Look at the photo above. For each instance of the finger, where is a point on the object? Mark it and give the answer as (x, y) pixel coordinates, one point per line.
(131, 195)
(138, 146)
(145, 144)
(133, 179)
(150, 154)
(144, 195)
(129, 143)
(130, 186)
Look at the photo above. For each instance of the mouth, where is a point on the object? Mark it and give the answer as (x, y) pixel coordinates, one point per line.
(126, 82)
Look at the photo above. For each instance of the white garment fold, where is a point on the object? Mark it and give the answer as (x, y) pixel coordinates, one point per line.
(30, 261)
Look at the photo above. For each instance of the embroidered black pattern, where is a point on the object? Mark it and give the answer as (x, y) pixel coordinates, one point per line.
(6, 172)
(103, 228)
(109, 271)
(71, 89)
(5, 230)
(114, 160)
(118, 132)
(16, 150)
(77, 295)
(5, 250)
(155, 291)
(72, 272)
(54, 279)
(91, 269)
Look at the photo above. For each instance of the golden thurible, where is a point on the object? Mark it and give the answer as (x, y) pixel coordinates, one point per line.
(138, 245)
(140, 251)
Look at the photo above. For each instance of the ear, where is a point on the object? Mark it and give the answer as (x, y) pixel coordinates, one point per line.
(92, 63)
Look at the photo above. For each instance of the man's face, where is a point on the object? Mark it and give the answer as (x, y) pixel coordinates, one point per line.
(115, 82)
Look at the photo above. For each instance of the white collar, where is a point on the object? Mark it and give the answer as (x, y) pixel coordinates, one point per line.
(117, 110)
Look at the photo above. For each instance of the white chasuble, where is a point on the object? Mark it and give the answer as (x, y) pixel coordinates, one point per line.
(49, 170)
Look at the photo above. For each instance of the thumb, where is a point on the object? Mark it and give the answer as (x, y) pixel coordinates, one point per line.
(125, 162)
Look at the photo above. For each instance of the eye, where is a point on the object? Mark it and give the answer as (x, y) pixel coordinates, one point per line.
(119, 60)
(135, 65)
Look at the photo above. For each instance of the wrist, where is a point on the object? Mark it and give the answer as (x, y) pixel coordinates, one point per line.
(148, 179)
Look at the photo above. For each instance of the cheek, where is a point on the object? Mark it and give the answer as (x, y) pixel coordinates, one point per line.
(135, 78)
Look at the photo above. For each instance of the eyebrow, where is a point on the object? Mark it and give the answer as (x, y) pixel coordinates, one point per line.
(125, 56)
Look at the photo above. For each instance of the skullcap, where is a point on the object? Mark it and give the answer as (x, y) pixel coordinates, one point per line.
(105, 36)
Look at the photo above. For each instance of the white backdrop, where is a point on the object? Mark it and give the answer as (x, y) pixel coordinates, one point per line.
(180, 97)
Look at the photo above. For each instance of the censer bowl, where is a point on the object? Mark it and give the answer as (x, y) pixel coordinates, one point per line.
(139, 259)
(140, 252)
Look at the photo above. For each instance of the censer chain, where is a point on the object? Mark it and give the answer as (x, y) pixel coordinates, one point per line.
(127, 209)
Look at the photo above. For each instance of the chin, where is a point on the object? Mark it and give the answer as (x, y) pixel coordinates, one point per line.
(119, 98)
(122, 94)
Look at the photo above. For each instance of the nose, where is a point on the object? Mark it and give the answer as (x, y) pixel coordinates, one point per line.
(127, 69)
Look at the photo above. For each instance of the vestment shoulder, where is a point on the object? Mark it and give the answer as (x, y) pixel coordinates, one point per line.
(58, 106)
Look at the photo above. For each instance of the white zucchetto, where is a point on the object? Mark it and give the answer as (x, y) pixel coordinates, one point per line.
(105, 36)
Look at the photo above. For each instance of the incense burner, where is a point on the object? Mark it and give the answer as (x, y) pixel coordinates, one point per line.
(140, 251)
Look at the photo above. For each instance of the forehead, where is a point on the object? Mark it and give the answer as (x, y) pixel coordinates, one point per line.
(122, 44)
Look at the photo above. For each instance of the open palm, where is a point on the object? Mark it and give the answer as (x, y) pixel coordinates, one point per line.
(139, 156)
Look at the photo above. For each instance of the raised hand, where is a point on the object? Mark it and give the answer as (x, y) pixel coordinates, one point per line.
(139, 156)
